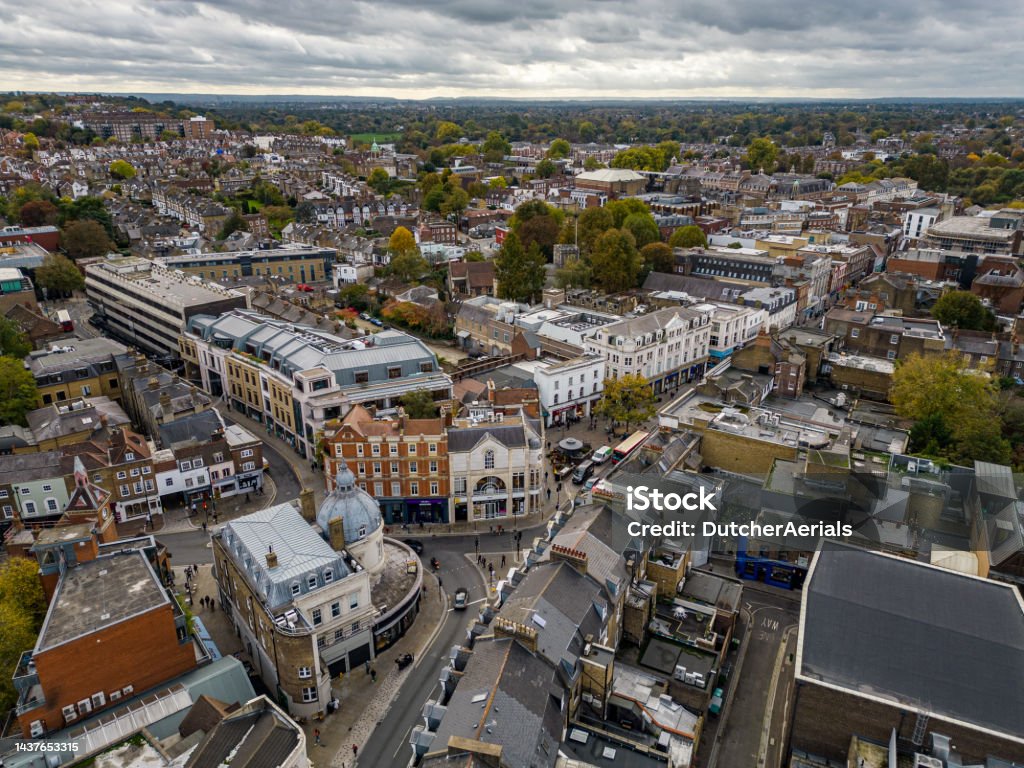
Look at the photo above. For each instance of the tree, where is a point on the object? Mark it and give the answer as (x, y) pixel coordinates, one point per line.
(539, 230)
(13, 341)
(690, 236)
(22, 608)
(277, 216)
(401, 241)
(355, 295)
(59, 276)
(761, 155)
(592, 223)
(643, 228)
(407, 265)
(495, 147)
(454, 203)
(575, 274)
(306, 212)
(545, 169)
(558, 149)
(83, 239)
(640, 159)
(629, 400)
(38, 213)
(658, 257)
(122, 169)
(88, 208)
(419, 404)
(233, 223)
(964, 310)
(30, 142)
(379, 181)
(615, 261)
(447, 131)
(592, 164)
(620, 209)
(518, 270)
(956, 409)
(17, 391)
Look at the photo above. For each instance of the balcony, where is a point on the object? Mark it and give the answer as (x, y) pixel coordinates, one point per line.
(25, 675)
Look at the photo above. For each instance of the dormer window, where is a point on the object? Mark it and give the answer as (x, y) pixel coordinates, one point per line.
(328, 576)
(311, 581)
(296, 589)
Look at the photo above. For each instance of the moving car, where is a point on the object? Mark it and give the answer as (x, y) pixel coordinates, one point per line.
(415, 546)
(602, 454)
(583, 472)
(461, 599)
(589, 485)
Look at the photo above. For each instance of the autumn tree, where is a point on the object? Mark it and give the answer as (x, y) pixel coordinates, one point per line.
(620, 209)
(657, 257)
(59, 276)
(122, 169)
(13, 341)
(964, 310)
(17, 391)
(690, 236)
(955, 409)
(447, 131)
(30, 142)
(401, 241)
(407, 265)
(84, 239)
(22, 608)
(628, 400)
(518, 270)
(537, 222)
(38, 213)
(614, 261)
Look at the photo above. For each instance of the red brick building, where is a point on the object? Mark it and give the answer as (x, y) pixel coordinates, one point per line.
(401, 462)
(112, 630)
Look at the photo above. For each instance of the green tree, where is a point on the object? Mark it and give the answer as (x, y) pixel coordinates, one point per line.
(657, 257)
(545, 169)
(761, 155)
(88, 208)
(964, 310)
(13, 342)
(495, 147)
(559, 149)
(30, 142)
(17, 391)
(640, 159)
(454, 203)
(277, 217)
(379, 181)
(643, 228)
(447, 131)
(518, 270)
(690, 236)
(22, 609)
(419, 404)
(85, 238)
(629, 400)
(574, 274)
(614, 261)
(957, 408)
(406, 263)
(592, 164)
(38, 213)
(542, 231)
(668, 150)
(59, 276)
(233, 223)
(122, 169)
(355, 295)
(592, 223)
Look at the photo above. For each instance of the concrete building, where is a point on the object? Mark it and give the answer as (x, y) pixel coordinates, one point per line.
(917, 221)
(294, 379)
(147, 305)
(79, 368)
(566, 388)
(876, 637)
(291, 261)
(667, 347)
(496, 462)
(732, 327)
(16, 289)
(996, 232)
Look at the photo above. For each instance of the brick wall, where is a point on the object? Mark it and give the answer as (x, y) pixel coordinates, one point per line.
(736, 453)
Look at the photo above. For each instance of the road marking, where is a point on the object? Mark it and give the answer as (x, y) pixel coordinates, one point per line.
(401, 743)
(481, 600)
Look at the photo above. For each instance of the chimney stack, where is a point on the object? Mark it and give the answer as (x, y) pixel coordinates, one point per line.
(153, 383)
(271, 557)
(574, 557)
(524, 634)
(336, 533)
(165, 401)
(307, 505)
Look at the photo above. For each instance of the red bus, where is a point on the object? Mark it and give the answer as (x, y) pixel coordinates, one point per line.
(64, 318)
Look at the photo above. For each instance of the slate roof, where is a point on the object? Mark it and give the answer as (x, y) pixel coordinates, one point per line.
(922, 638)
(258, 739)
(461, 439)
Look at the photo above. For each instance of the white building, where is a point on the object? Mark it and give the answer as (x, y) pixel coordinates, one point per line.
(732, 326)
(667, 347)
(496, 462)
(917, 222)
(184, 476)
(566, 388)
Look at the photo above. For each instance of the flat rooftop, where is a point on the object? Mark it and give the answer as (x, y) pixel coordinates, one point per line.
(74, 351)
(863, 363)
(98, 594)
(752, 422)
(914, 636)
(166, 286)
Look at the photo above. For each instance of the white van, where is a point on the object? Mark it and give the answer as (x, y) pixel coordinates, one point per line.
(601, 455)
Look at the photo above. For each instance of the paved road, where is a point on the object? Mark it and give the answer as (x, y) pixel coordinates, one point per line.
(767, 616)
(288, 483)
(390, 743)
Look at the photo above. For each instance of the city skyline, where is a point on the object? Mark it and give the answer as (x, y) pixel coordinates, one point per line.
(651, 49)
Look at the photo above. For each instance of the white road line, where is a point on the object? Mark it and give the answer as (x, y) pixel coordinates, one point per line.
(402, 743)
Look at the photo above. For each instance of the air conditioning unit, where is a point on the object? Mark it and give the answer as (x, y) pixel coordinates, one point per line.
(70, 713)
(84, 707)
(115, 695)
(36, 729)
(128, 690)
(99, 699)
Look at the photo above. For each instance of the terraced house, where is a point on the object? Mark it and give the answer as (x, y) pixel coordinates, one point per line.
(296, 378)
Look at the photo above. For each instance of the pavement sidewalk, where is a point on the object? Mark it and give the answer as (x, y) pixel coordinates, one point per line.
(176, 517)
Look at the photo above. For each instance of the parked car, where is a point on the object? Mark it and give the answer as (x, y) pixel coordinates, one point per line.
(304, 288)
(716, 702)
(589, 485)
(376, 322)
(602, 454)
(583, 472)
(364, 315)
(461, 599)
(415, 546)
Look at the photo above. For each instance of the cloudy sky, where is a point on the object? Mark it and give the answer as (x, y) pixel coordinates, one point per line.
(524, 48)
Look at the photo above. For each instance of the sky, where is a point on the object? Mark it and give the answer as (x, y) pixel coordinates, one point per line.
(517, 48)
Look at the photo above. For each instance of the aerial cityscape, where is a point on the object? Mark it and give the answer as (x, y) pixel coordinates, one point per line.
(512, 386)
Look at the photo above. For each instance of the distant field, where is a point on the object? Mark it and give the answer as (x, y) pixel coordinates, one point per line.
(369, 138)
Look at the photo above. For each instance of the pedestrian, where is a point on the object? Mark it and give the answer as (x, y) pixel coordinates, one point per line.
(194, 600)
(549, 494)
(316, 736)
(355, 751)
(502, 561)
(366, 666)
(204, 526)
(491, 528)
(423, 589)
(373, 675)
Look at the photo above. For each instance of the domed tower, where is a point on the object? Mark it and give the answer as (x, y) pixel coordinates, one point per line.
(350, 519)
